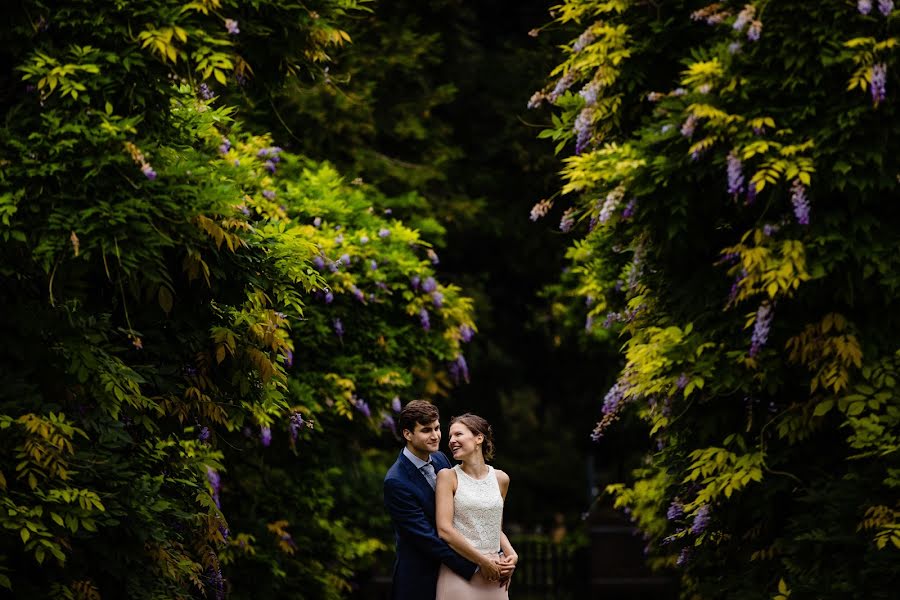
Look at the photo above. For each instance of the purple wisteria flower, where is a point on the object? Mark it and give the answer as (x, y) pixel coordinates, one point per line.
(611, 203)
(317, 222)
(744, 17)
(568, 220)
(466, 333)
(387, 422)
(232, 26)
(225, 146)
(270, 166)
(433, 257)
(205, 92)
(885, 6)
(357, 293)
(612, 402)
(363, 239)
(383, 233)
(215, 483)
(414, 282)
(735, 172)
(396, 406)
(338, 328)
(329, 297)
(338, 239)
(676, 511)
(429, 285)
(878, 78)
(591, 92)
(701, 520)
(540, 209)
(373, 265)
(319, 262)
(345, 259)
(296, 422)
(689, 126)
(800, 202)
(203, 436)
(584, 40)
(583, 128)
(761, 328)
(683, 557)
(864, 6)
(437, 299)
(148, 171)
(424, 319)
(459, 369)
(734, 47)
(736, 285)
(536, 99)
(629, 209)
(363, 407)
(682, 382)
(268, 194)
(289, 358)
(589, 322)
(754, 31)
(564, 83)
(265, 435)
(751, 194)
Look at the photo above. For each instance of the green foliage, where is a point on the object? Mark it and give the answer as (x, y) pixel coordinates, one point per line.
(178, 291)
(728, 146)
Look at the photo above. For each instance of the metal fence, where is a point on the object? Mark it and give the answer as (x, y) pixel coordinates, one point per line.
(548, 570)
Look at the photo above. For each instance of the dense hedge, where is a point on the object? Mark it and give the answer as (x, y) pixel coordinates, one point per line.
(730, 178)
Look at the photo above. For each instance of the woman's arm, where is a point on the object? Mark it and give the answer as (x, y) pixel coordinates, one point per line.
(510, 558)
(508, 550)
(444, 491)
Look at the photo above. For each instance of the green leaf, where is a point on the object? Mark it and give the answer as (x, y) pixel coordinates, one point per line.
(165, 299)
(823, 407)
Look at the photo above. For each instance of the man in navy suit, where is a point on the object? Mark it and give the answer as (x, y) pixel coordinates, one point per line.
(409, 498)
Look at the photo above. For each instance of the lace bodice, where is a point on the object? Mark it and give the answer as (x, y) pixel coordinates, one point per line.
(478, 510)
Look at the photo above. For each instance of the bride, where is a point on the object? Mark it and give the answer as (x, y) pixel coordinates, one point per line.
(469, 514)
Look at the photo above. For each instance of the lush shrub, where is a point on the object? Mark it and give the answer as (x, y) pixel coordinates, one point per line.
(730, 181)
(199, 326)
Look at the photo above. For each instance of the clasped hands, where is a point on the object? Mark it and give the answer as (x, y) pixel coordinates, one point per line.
(499, 568)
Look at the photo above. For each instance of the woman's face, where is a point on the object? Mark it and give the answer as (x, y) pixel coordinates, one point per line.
(463, 443)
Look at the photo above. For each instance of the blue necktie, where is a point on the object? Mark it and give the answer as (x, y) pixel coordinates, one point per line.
(428, 471)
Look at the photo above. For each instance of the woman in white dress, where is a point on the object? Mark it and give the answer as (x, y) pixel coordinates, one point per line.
(469, 514)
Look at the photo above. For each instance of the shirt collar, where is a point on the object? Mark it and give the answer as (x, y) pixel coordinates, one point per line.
(415, 460)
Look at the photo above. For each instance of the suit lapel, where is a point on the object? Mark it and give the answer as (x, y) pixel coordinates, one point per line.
(418, 480)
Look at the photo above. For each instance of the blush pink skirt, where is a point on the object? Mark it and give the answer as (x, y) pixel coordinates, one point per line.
(451, 586)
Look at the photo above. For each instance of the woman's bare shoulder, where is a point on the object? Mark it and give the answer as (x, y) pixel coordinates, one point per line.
(447, 477)
(502, 477)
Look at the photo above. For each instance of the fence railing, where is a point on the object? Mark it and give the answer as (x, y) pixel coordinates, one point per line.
(547, 569)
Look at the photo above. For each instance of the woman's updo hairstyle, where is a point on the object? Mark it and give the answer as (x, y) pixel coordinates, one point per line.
(477, 426)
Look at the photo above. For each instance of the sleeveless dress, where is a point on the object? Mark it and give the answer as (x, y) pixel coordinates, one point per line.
(478, 516)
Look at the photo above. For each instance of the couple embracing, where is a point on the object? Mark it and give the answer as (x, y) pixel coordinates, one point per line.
(448, 521)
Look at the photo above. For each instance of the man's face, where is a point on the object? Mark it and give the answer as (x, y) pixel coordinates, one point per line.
(425, 439)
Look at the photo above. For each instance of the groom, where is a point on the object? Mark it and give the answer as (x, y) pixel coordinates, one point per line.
(409, 498)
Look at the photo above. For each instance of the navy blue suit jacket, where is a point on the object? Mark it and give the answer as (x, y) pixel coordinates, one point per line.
(410, 502)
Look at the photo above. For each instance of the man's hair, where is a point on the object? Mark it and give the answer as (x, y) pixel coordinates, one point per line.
(417, 411)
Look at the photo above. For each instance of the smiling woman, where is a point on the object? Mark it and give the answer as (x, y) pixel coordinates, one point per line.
(470, 500)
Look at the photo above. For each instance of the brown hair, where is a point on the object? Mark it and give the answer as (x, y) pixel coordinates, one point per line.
(478, 425)
(417, 411)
